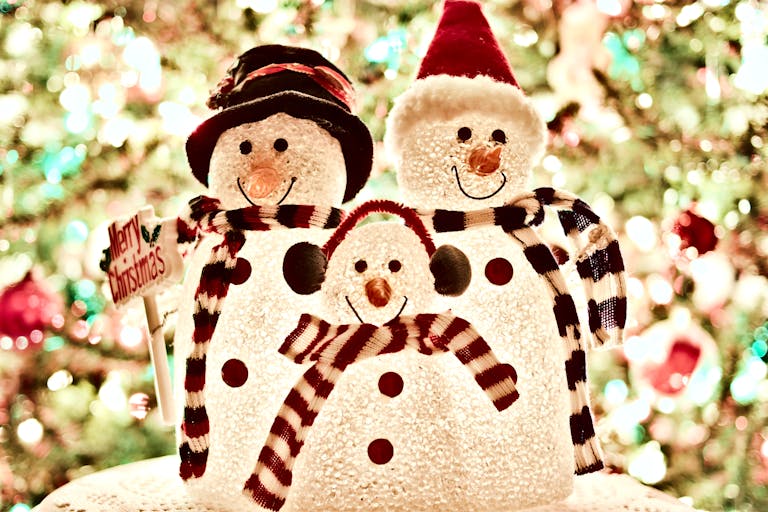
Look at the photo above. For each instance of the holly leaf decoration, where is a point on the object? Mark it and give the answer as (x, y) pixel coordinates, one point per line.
(156, 234)
(145, 233)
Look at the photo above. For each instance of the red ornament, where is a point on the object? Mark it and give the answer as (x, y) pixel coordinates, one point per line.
(695, 231)
(672, 376)
(27, 308)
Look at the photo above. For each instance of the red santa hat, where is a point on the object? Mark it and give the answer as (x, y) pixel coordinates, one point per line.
(463, 71)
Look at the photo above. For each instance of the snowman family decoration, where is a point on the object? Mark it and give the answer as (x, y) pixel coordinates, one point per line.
(324, 365)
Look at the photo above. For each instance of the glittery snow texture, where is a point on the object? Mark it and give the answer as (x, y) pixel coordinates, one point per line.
(260, 312)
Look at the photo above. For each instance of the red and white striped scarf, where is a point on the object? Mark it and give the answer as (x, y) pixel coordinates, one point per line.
(601, 269)
(333, 348)
(206, 216)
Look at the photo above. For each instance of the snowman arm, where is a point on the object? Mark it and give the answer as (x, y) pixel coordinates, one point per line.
(599, 262)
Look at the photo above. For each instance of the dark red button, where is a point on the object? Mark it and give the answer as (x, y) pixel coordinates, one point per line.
(391, 384)
(380, 451)
(498, 271)
(234, 373)
(510, 370)
(241, 272)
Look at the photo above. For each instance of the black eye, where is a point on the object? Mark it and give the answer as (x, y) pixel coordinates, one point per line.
(280, 145)
(499, 136)
(245, 147)
(464, 134)
(360, 266)
(395, 266)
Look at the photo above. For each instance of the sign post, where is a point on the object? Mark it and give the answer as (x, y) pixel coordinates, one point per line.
(142, 259)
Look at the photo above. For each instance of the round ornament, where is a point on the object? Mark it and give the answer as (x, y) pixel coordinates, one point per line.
(674, 359)
(695, 231)
(27, 308)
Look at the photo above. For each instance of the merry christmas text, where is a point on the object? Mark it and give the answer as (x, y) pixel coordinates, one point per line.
(136, 264)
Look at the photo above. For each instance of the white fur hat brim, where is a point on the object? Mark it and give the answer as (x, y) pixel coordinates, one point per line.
(439, 98)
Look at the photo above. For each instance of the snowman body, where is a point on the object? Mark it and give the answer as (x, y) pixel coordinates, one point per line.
(280, 158)
(521, 457)
(394, 432)
(461, 143)
(246, 377)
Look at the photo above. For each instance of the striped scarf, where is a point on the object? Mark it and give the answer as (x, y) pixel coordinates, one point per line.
(333, 348)
(601, 268)
(206, 216)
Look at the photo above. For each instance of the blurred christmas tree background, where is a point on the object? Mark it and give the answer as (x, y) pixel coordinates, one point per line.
(657, 114)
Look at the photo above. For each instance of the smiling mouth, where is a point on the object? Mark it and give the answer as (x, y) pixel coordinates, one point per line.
(503, 182)
(405, 301)
(240, 186)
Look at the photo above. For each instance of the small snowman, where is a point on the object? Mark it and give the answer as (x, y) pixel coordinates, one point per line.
(283, 138)
(370, 425)
(465, 137)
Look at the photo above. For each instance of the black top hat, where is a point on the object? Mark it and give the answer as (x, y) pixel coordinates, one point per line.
(300, 82)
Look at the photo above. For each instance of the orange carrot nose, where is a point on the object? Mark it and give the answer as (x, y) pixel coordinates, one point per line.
(262, 181)
(378, 292)
(484, 161)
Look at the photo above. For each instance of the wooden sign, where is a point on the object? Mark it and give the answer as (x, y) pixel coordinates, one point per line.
(142, 256)
(141, 259)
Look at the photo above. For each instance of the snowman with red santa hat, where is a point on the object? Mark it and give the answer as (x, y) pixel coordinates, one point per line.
(464, 137)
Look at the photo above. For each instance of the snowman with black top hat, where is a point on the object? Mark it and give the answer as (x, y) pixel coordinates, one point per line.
(282, 150)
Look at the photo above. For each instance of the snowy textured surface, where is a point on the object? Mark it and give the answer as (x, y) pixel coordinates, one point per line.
(153, 486)
(521, 457)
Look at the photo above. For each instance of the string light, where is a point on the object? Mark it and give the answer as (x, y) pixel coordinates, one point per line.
(30, 431)
(59, 380)
(616, 392)
(111, 393)
(642, 232)
(130, 336)
(659, 289)
(649, 464)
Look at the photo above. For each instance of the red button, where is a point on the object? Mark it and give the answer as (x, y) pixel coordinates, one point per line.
(391, 384)
(234, 373)
(241, 272)
(380, 451)
(498, 271)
